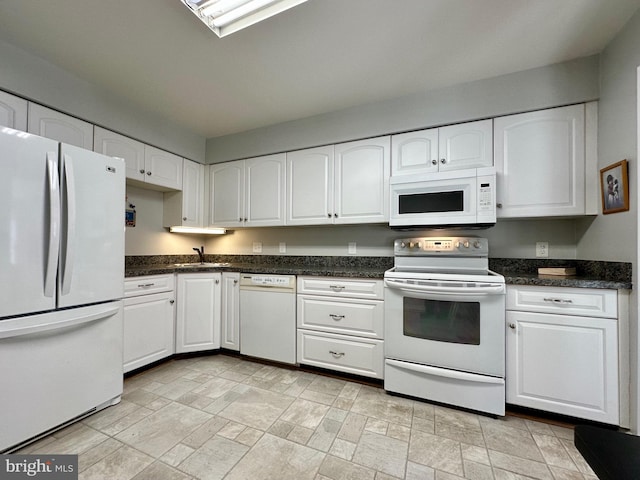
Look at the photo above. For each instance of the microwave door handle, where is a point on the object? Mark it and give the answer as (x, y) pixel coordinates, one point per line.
(422, 289)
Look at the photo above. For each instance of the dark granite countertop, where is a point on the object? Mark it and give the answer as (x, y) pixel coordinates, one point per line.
(589, 274)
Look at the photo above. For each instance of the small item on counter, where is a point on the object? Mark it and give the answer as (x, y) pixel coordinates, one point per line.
(560, 271)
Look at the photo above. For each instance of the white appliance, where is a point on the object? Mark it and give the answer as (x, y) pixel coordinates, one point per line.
(62, 272)
(444, 199)
(445, 323)
(268, 316)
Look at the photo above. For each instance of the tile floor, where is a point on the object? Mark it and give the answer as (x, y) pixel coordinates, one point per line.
(221, 416)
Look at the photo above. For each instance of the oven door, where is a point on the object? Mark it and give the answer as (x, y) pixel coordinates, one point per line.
(453, 324)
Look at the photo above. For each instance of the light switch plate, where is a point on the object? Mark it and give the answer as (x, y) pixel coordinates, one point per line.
(352, 248)
(283, 247)
(257, 247)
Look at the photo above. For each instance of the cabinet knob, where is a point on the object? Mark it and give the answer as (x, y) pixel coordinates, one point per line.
(335, 215)
(512, 326)
(142, 170)
(240, 219)
(443, 160)
(172, 302)
(498, 205)
(329, 215)
(235, 282)
(149, 173)
(434, 162)
(184, 219)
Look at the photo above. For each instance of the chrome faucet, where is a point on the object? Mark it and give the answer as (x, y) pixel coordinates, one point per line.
(200, 253)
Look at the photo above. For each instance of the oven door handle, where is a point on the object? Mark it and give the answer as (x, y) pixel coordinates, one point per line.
(441, 372)
(424, 289)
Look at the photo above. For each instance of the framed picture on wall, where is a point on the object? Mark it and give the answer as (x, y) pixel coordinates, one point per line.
(614, 184)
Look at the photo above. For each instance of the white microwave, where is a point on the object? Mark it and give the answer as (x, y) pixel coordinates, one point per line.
(458, 198)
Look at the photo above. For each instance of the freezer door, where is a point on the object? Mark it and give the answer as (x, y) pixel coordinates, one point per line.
(92, 240)
(29, 219)
(56, 367)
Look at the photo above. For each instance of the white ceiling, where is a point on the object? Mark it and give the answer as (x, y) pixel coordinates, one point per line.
(320, 56)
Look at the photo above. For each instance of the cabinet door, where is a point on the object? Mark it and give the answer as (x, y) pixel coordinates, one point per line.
(162, 169)
(540, 163)
(226, 196)
(466, 145)
(563, 364)
(148, 329)
(198, 315)
(310, 186)
(116, 145)
(13, 112)
(60, 127)
(414, 153)
(230, 337)
(192, 194)
(362, 181)
(265, 190)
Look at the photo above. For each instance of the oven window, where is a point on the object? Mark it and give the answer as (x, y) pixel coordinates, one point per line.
(442, 321)
(431, 202)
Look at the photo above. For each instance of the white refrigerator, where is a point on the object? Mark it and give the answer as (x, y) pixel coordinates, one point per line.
(61, 282)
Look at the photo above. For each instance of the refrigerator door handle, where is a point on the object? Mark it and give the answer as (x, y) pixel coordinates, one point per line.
(68, 255)
(16, 331)
(54, 225)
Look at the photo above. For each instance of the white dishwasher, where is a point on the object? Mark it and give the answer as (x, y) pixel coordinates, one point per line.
(268, 316)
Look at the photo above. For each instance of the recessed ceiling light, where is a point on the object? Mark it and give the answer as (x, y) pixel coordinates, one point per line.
(227, 16)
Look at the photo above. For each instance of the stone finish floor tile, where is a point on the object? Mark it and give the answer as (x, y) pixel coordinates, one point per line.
(226, 417)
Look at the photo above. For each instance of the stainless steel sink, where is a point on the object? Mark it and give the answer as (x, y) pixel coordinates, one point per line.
(198, 264)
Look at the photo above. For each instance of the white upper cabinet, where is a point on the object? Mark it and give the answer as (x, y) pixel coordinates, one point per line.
(13, 112)
(63, 128)
(116, 145)
(339, 184)
(147, 166)
(226, 194)
(265, 179)
(546, 162)
(453, 147)
(361, 181)
(162, 169)
(310, 186)
(248, 193)
(185, 208)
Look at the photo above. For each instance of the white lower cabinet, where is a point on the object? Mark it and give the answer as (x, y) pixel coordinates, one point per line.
(341, 324)
(563, 352)
(230, 321)
(198, 315)
(149, 312)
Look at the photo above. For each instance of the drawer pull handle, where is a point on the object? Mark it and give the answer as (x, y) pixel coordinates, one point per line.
(558, 300)
(145, 285)
(336, 317)
(336, 354)
(336, 287)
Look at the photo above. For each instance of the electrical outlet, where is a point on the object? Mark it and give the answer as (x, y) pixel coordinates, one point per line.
(352, 248)
(257, 247)
(542, 249)
(283, 247)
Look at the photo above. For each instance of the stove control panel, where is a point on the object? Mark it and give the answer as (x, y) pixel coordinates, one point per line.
(469, 246)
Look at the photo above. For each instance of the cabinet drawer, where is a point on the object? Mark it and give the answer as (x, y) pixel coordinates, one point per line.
(590, 302)
(342, 287)
(363, 318)
(343, 353)
(148, 284)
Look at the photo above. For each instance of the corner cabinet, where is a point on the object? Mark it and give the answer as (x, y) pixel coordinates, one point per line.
(341, 324)
(149, 312)
(247, 193)
(230, 331)
(347, 183)
(567, 352)
(452, 147)
(185, 208)
(546, 162)
(198, 315)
